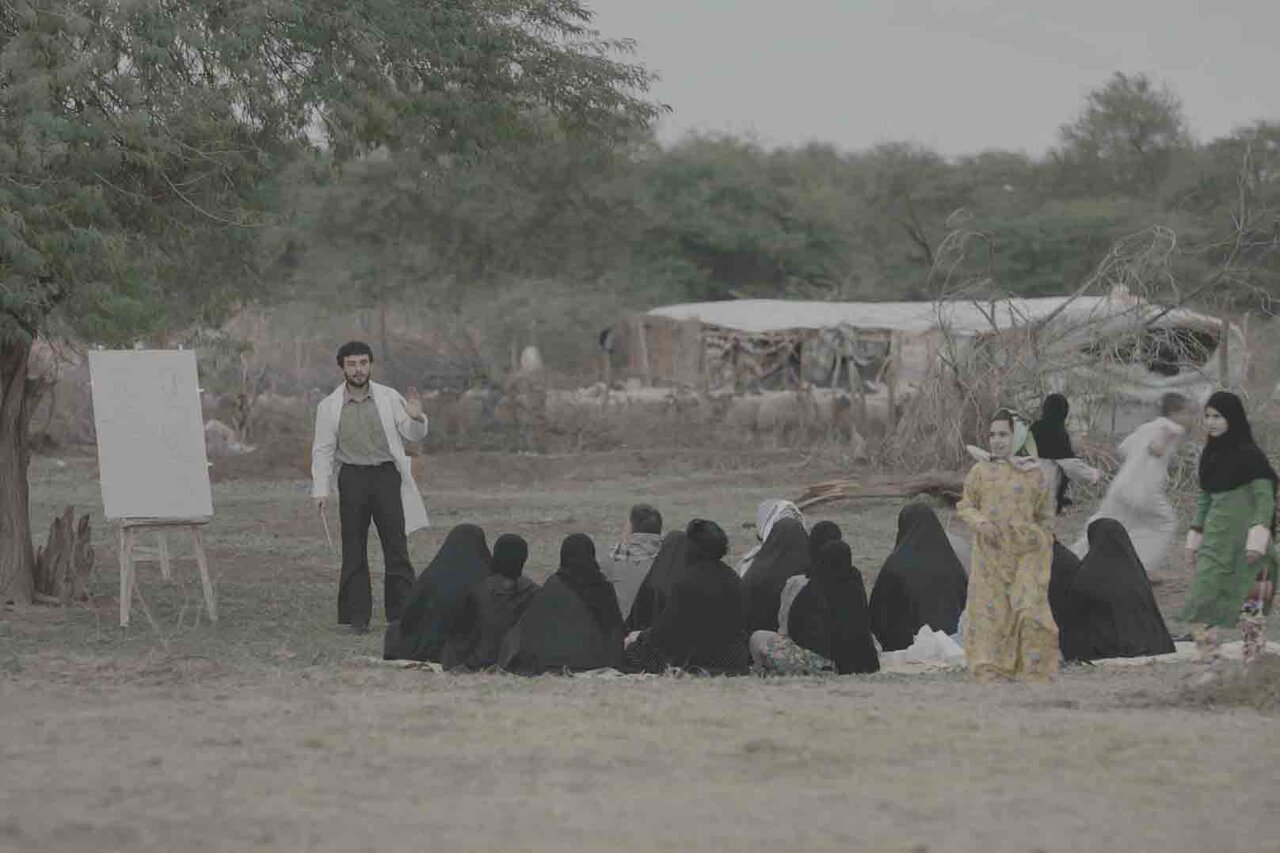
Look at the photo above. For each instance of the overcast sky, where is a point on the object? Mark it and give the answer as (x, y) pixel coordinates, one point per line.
(957, 76)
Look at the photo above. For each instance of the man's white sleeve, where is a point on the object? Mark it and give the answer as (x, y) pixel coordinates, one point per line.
(411, 428)
(322, 450)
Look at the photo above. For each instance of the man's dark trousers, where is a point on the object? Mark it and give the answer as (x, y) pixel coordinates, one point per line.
(368, 492)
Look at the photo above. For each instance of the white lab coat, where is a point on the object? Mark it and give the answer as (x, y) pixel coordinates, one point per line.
(395, 423)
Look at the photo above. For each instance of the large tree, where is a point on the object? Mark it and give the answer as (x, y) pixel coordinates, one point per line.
(1124, 140)
(140, 144)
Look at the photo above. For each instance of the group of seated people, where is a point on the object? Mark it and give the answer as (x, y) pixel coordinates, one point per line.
(795, 604)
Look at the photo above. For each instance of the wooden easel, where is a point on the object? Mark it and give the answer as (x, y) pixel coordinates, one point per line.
(126, 536)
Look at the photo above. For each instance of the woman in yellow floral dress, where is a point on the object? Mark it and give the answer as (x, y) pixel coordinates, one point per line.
(1009, 630)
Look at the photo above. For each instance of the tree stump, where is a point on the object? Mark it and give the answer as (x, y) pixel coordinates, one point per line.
(64, 562)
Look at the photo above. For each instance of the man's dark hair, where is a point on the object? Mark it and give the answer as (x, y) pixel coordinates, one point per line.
(1172, 403)
(645, 519)
(351, 348)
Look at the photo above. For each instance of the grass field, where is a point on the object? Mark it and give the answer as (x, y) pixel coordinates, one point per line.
(272, 730)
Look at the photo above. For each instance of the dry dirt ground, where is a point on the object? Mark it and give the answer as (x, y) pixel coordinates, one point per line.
(273, 731)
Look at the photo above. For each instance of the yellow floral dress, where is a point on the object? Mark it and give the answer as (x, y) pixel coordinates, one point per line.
(1009, 630)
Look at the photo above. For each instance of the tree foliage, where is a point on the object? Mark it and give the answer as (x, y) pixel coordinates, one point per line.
(140, 142)
(718, 217)
(1125, 139)
(142, 145)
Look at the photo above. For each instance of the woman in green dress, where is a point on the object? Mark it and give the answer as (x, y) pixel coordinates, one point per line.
(1231, 537)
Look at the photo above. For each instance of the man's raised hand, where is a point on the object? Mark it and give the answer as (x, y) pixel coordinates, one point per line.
(413, 404)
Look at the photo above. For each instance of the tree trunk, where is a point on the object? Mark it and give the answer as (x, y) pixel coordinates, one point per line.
(17, 560)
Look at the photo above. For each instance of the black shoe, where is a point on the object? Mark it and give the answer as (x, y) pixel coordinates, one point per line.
(359, 628)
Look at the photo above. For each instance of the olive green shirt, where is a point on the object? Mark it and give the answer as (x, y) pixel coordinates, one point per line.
(361, 438)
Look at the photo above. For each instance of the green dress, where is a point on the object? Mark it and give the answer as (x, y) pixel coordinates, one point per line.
(1223, 575)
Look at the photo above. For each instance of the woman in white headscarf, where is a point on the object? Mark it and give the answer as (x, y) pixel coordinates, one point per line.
(768, 514)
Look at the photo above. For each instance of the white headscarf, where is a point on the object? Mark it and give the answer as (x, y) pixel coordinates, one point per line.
(768, 514)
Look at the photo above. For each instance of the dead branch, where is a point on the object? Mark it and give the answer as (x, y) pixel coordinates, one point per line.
(945, 484)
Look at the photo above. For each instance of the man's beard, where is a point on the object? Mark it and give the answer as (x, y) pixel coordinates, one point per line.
(358, 382)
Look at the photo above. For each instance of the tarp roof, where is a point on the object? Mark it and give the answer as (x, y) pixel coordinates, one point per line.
(964, 317)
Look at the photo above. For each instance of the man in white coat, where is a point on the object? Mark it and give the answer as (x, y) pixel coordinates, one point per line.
(358, 443)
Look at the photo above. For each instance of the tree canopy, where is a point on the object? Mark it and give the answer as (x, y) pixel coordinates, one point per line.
(140, 144)
(143, 145)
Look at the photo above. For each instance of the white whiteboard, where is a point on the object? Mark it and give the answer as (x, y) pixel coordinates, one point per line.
(151, 454)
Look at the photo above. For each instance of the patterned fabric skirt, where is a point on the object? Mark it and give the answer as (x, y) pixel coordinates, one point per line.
(781, 655)
(643, 655)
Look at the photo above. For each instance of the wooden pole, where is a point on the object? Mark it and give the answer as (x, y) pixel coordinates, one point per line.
(703, 375)
(124, 544)
(166, 571)
(890, 381)
(643, 338)
(210, 603)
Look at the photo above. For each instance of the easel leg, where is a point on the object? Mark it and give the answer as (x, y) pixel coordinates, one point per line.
(210, 605)
(165, 571)
(124, 544)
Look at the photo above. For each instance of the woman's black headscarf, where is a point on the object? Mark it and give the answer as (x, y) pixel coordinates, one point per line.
(708, 542)
(420, 633)
(1110, 609)
(581, 573)
(703, 626)
(1053, 442)
(921, 583)
(1232, 459)
(784, 554)
(510, 552)
(822, 533)
(1050, 432)
(830, 616)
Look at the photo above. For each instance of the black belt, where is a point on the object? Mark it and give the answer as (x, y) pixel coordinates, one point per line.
(368, 467)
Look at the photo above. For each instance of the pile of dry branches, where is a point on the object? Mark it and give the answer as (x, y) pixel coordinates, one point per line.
(1011, 363)
(944, 484)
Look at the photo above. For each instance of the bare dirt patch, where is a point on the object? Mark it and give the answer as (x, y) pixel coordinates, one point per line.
(1257, 687)
(272, 730)
(366, 759)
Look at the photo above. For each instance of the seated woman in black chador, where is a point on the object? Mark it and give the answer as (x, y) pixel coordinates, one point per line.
(463, 560)
(785, 553)
(1062, 574)
(828, 627)
(1110, 610)
(573, 622)
(491, 608)
(702, 628)
(921, 583)
(655, 590)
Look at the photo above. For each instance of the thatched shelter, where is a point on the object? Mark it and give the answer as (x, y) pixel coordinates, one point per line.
(1133, 349)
